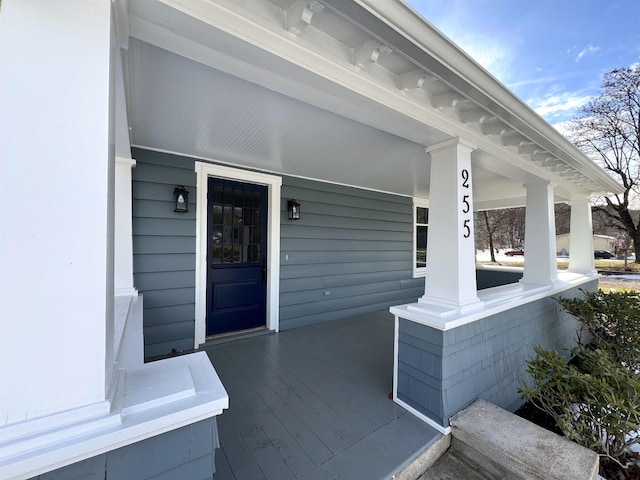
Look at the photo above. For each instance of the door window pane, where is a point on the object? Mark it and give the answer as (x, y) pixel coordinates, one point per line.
(235, 228)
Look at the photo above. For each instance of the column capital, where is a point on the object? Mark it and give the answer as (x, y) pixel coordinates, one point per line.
(450, 143)
(578, 198)
(538, 182)
(125, 161)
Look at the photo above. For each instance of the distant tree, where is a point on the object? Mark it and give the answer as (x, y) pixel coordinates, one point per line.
(500, 228)
(563, 218)
(607, 129)
(491, 227)
(513, 231)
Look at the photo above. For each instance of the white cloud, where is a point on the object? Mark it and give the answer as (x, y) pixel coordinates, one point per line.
(495, 57)
(585, 51)
(493, 53)
(558, 106)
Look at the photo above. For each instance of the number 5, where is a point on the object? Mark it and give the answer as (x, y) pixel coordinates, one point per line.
(467, 232)
(466, 207)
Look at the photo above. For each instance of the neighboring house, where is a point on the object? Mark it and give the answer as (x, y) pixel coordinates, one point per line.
(359, 111)
(600, 242)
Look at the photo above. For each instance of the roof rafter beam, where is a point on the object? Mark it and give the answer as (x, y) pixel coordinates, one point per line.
(416, 79)
(474, 115)
(299, 16)
(511, 138)
(492, 126)
(448, 100)
(371, 52)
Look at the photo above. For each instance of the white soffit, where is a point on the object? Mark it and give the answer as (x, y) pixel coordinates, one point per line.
(295, 88)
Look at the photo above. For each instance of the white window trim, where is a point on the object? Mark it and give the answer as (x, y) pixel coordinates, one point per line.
(273, 183)
(423, 203)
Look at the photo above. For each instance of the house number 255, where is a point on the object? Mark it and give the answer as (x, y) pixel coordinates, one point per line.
(466, 207)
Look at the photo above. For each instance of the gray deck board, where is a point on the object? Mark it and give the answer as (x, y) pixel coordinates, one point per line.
(312, 403)
(263, 383)
(264, 430)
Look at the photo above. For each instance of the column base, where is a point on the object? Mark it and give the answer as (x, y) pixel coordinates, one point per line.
(441, 308)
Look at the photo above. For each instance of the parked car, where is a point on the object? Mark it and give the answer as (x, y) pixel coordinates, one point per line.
(515, 251)
(603, 254)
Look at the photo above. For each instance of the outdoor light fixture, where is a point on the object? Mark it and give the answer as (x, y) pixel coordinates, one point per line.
(182, 199)
(293, 208)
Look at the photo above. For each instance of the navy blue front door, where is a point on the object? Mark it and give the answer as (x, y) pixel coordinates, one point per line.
(236, 256)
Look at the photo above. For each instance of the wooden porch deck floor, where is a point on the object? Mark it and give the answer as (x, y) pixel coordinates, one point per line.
(312, 403)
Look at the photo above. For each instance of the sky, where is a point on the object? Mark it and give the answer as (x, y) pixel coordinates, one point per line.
(550, 53)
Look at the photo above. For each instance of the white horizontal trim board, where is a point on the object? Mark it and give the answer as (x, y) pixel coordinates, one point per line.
(494, 300)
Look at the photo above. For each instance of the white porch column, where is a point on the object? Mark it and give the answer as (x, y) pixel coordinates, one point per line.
(56, 244)
(581, 238)
(540, 266)
(123, 228)
(451, 274)
(123, 205)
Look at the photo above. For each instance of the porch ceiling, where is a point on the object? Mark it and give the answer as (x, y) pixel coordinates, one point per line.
(297, 88)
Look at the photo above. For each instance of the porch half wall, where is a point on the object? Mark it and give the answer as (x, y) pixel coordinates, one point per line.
(350, 253)
(442, 372)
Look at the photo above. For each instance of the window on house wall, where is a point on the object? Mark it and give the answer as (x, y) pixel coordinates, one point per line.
(421, 227)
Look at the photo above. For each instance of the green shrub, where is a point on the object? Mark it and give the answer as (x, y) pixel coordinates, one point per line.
(612, 321)
(593, 399)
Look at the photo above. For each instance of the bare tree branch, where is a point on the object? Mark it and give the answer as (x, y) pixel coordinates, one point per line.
(607, 129)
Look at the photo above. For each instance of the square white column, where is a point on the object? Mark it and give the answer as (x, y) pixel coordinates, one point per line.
(123, 229)
(57, 169)
(451, 275)
(540, 265)
(581, 238)
(123, 280)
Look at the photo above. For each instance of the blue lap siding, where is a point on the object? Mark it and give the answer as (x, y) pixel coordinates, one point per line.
(350, 253)
(164, 248)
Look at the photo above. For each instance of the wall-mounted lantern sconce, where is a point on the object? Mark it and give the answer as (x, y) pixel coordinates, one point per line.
(293, 208)
(182, 199)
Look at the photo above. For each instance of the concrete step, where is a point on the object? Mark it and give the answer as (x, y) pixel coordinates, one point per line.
(489, 443)
(518, 447)
(453, 466)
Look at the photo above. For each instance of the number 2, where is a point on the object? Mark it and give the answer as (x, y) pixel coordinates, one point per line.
(465, 178)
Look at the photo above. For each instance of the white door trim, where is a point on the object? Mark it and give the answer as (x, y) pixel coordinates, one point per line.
(273, 183)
